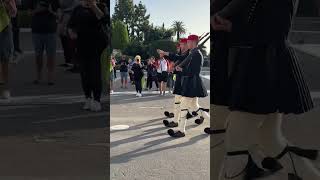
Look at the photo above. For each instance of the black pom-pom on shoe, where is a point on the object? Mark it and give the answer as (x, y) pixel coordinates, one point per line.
(172, 124)
(194, 113)
(177, 134)
(199, 121)
(166, 113)
(166, 123)
(271, 164)
(189, 115)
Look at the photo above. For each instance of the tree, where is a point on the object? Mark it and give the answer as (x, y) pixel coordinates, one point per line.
(124, 11)
(141, 21)
(119, 38)
(157, 33)
(178, 28)
(136, 48)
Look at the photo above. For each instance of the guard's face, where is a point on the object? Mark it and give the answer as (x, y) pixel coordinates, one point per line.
(190, 44)
(161, 55)
(183, 46)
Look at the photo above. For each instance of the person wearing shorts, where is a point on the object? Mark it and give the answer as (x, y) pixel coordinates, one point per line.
(162, 71)
(44, 28)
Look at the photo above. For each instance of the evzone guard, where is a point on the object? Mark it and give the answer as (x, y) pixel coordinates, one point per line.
(264, 82)
(179, 58)
(191, 88)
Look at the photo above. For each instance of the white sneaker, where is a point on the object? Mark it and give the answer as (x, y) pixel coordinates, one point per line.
(6, 94)
(96, 106)
(137, 95)
(87, 104)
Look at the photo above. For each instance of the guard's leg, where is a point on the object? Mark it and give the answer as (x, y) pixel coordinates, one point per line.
(177, 110)
(296, 161)
(219, 116)
(201, 113)
(241, 139)
(186, 104)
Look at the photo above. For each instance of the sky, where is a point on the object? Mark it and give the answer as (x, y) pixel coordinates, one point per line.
(194, 13)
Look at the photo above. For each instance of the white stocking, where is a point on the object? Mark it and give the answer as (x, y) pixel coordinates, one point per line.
(240, 136)
(196, 106)
(219, 116)
(186, 104)
(177, 109)
(273, 143)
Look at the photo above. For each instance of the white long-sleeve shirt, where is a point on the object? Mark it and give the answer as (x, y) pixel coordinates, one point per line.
(163, 66)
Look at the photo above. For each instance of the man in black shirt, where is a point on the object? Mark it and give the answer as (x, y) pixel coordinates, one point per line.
(124, 72)
(44, 28)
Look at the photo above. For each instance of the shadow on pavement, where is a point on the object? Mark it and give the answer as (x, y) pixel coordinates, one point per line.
(124, 158)
(48, 119)
(141, 136)
(132, 99)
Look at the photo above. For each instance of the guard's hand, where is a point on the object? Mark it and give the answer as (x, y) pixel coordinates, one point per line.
(221, 24)
(159, 51)
(178, 68)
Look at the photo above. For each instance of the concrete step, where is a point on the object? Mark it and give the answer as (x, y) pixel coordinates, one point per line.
(305, 37)
(306, 24)
(309, 58)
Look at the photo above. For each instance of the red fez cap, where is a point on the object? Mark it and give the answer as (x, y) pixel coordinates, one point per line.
(183, 40)
(193, 38)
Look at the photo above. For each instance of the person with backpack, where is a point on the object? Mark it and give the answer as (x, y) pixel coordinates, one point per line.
(8, 10)
(85, 25)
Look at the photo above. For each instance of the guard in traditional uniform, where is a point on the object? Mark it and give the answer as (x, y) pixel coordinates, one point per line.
(265, 81)
(177, 58)
(191, 84)
(219, 110)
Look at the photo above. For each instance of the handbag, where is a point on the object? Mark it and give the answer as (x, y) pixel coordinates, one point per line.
(4, 17)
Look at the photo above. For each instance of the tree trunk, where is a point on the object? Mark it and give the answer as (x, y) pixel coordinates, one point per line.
(178, 35)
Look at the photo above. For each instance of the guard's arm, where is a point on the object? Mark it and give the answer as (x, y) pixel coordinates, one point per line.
(233, 8)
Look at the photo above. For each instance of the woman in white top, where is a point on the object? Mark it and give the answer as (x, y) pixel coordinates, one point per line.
(162, 70)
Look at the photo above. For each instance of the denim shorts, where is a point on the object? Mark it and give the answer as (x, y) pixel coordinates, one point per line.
(45, 42)
(6, 45)
(124, 75)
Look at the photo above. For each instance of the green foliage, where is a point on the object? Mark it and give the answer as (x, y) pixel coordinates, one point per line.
(105, 66)
(157, 33)
(178, 27)
(24, 19)
(124, 11)
(166, 45)
(134, 16)
(136, 48)
(119, 38)
(140, 20)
